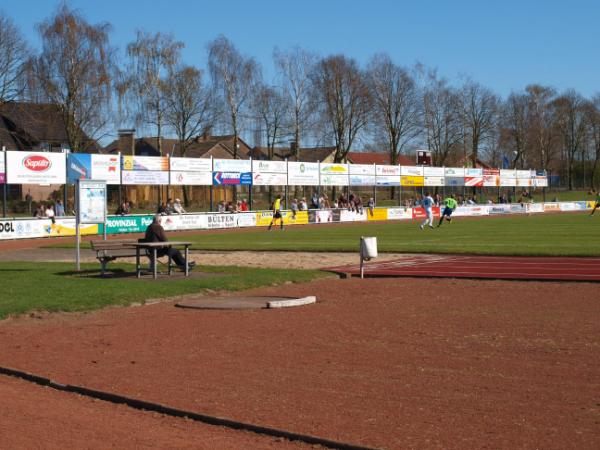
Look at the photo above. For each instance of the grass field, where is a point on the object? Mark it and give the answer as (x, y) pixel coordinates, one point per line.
(28, 286)
(555, 234)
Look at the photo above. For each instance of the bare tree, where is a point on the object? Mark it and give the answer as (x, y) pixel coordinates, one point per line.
(572, 125)
(396, 103)
(592, 114)
(542, 127)
(345, 100)
(74, 71)
(152, 60)
(295, 67)
(14, 55)
(271, 108)
(479, 114)
(235, 77)
(188, 108)
(514, 127)
(442, 120)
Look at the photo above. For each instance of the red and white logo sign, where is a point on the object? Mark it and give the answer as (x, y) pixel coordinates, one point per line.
(37, 163)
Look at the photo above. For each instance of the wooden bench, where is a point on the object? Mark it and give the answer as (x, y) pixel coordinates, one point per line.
(107, 251)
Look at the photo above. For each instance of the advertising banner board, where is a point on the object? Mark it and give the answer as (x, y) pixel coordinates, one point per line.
(387, 170)
(387, 180)
(434, 171)
(269, 166)
(190, 164)
(399, 213)
(35, 168)
(415, 171)
(269, 179)
(362, 169)
(409, 180)
(2, 169)
(334, 180)
(141, 177)
(179, 178)
(362, 180)
(454, 171)
(232, 165)
(143, 163)
(454, 181)
(232, 178)
(85, 166)
(474, 181)
(434, 181)
(303, 174)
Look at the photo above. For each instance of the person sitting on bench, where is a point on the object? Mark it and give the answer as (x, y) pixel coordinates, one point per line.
(156, 233)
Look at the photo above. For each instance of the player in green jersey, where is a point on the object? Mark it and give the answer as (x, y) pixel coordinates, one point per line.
(597, 205)
(450, 205)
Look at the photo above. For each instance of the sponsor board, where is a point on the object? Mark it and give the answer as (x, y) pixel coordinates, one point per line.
(517, 208)
(419, 212)
(362, 180)
(508, 173)
(303, 174)
(232, 165)
(245, 219)
(411, 180)
(473, 172)
(572, 206)
(106, 168)
(491, 180)
(127, 224)
(269, 179)
(507, 182)
(143, 163)
(184, 222)
(2, 169)
(39, 228)
(399, 213)
(232, 178)
(362, 169)
(434, 172)
(334, 180)
(387, 180)
(190, 164)
(376, 214)
(473, 181)
(191, 178)
(35, 168)
(551, 207)
(387, 170)
(535, 208)
(320, 216)
(414, 171)
(499, 209)
(470, 211)
(352, 216)
(524, 173)
(66, 227)
(269, 166)
(148, 177)
(264, 218)
(454, 172)
(523, 182)
(540, 181)
(454, 181)
(590, 204)
(333, 169)
(434, 181)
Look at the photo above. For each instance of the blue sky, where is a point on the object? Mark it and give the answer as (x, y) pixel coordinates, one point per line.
(504, 45)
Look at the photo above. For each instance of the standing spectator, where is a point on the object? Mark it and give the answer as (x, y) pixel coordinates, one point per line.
(59, 209)
(315, 201)
(177, 208)
(427, 203)
(221, 206)
(371, 206)
(302, 206)
(50, 213)
(294, 207)
(244, 206)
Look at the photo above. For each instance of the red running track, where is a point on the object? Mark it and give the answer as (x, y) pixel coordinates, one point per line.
(487, 267)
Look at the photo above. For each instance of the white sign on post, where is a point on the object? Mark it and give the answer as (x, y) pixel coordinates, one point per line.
(91, 208)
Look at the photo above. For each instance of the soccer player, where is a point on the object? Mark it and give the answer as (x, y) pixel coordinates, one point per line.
(597, 205)
(450, 205)
(427, 204)
(276, 212)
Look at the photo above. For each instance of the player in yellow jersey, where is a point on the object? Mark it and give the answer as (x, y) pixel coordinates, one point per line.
(597, 205)
(276, 212)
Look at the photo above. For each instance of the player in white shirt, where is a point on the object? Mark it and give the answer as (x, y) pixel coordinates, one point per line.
(427, 204)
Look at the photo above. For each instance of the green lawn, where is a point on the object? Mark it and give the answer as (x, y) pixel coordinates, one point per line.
(28, 286)
(550, 234)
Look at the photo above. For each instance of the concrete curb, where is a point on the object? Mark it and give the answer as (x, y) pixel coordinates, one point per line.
(292, 302)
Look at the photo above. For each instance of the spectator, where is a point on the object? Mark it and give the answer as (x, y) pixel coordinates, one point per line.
(229, 208)
(371, 206)
(50, 213)
(315, 201)
(40, 211)
(156, 233)
(163, 210)
(358, 204)
(244, 206)
(294, 207)
(221, 206)
(302, 206)
(59, 209)
(177, 208)
(123, 209)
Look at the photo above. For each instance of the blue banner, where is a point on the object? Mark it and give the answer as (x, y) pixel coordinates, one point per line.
(79, 167)
(232, 178)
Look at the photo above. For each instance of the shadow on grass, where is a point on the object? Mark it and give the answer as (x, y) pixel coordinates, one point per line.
(120, 274)
(16, 270)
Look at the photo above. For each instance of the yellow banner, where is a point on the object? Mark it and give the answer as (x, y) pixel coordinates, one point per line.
(62, 229)
(263, 219)
(411, 180)
(377, 214)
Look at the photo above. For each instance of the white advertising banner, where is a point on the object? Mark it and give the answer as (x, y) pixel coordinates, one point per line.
(232, 165)
(36, 168)
(143, 163)
(269, 179)
(387, 170)
(540, 181)
(334, 180)
(334, 169)
(303, 174)
(362, 169)
(399, 213)
(524, 174)
(454, 171)
(191, 178)
(507, 182)
(491, 180)
(184, 222)
(191, 164)
(362, 180)
(454, 181)
(269, 166)
(106, 168)
(434, 181)
(24, 229)
(415, 171)
(142, 177)
(434, 171)
(523, 182)
(535, 207)
(387, 180)
(352, 216)
(508, 173)
(2, 169)
(471, 211)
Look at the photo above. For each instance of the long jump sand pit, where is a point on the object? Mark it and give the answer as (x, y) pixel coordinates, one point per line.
(391, 363)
